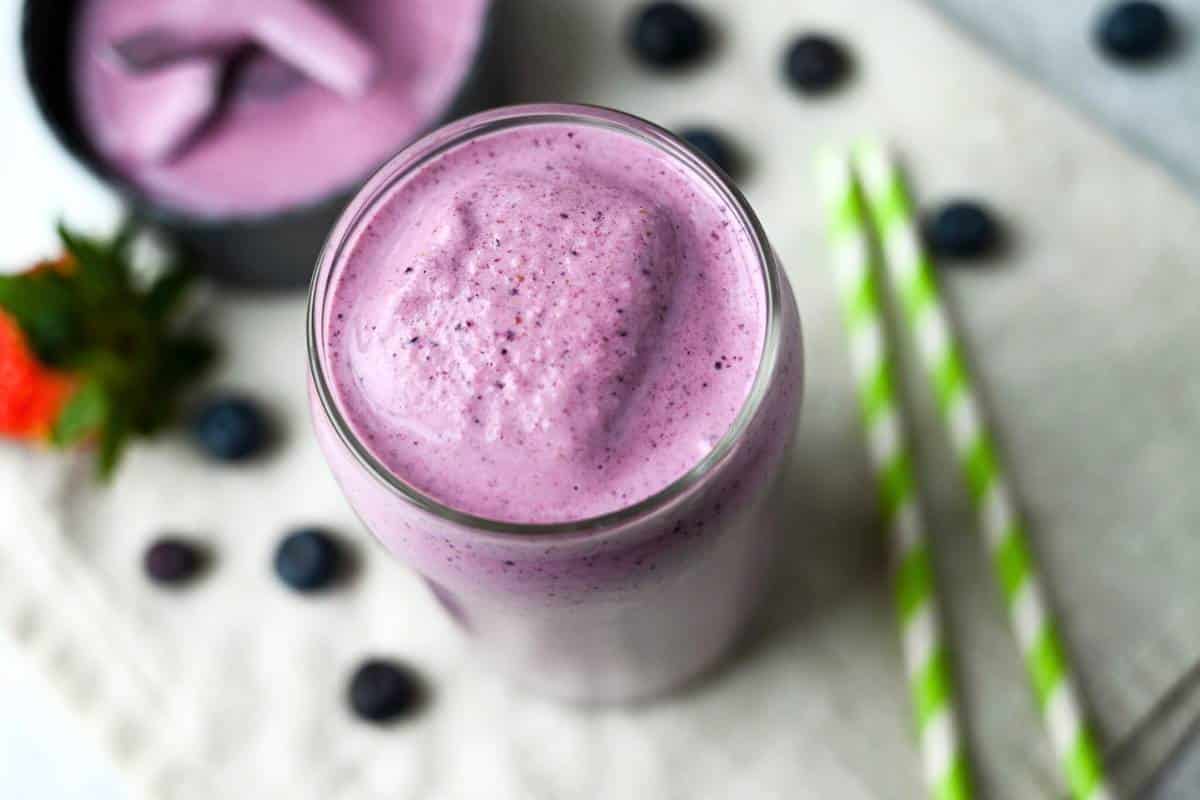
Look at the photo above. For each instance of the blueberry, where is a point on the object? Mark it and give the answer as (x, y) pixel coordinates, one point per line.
(381, 691)
(962, 229)
(170, 562)
(667, 35)
(712, 145)
(815, 63)
(1134, 31)
(230, 428)
(307, 559)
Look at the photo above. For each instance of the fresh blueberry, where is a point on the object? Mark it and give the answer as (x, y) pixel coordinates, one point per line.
(712, 145)
(1134, 31)
(815, 63)
(667, 34)
(962, 229)
(382, 691)
(307, 559)
(170, 562)
(230, 428)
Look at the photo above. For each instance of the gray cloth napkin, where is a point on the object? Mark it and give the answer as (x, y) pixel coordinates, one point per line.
(1154, 108)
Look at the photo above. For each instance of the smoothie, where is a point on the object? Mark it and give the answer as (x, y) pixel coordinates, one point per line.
(546, 325)
(556, 370)
(222, 108)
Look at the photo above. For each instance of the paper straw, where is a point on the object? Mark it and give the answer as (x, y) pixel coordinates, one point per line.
(926, 658)
(911, 278)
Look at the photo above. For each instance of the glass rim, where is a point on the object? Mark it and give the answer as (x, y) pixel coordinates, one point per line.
(431, 146)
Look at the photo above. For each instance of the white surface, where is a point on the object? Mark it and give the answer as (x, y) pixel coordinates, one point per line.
(40, 185)
(233, 688)
(37, 737)
(43, 755)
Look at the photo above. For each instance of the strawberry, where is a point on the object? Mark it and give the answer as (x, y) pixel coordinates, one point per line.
(89, 354)
(31, 395)
(63, 265)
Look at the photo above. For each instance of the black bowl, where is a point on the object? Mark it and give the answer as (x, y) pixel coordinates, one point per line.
(272, 251)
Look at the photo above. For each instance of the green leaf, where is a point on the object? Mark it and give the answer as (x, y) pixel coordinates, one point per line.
(101, 277)
(113, 440)
(184, 358)
(165, 293)
(43, 305)
(120, 340)
(122, 241)
(187, 358)
(85, 413)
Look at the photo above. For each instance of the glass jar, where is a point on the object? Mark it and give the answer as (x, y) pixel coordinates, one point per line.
(623, 605)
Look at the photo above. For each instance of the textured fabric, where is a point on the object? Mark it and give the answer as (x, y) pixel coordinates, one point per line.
(1153, 107)
(1084, 342)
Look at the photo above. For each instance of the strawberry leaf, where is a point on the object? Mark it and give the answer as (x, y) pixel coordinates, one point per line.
(85, 413)
(43, 304)
(166, 293)
(113, 439)
(122, 241)
(101, 271)
(187, 358)
(88, 316)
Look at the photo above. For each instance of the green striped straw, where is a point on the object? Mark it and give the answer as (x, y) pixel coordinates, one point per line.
(912, 282)
(926, 658)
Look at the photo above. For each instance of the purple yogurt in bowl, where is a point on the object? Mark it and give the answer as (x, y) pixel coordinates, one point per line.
(245, 127)
(555, 367)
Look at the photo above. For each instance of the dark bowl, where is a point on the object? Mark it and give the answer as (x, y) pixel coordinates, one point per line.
(272, 251)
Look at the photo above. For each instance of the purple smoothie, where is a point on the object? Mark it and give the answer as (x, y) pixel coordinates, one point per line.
(555, 302)
(556, 371)
(223, 108)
